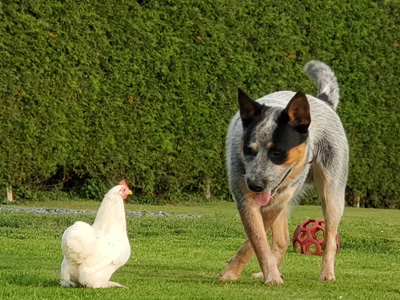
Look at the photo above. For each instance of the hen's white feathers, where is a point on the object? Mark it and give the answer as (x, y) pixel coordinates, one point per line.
(78, 242)
(93, 253)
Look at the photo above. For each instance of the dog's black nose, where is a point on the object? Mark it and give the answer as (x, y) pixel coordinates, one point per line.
(255, 187)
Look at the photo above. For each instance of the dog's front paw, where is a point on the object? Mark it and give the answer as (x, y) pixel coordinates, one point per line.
(260, 275)
(274, 279)
(327, 277)
(228, 276)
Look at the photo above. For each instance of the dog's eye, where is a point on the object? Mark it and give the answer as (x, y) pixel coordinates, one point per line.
(248, 151)
(277, 157)
(276, 154)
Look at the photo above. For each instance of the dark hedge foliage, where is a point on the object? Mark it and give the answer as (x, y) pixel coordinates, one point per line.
(95, 91)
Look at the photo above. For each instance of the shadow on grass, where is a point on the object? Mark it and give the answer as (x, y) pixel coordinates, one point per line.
(31, 280)
(184, 274)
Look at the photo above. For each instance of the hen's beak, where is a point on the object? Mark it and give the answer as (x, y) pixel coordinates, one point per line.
(128, 193)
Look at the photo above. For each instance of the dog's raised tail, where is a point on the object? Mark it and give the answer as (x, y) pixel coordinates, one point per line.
(328, 88)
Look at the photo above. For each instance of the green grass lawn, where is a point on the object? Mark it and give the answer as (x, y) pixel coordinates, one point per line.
(180, 258)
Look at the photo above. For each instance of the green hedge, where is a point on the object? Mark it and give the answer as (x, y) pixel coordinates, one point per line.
(102, 90)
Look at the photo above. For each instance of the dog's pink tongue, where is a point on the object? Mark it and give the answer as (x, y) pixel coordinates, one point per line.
(262, 199)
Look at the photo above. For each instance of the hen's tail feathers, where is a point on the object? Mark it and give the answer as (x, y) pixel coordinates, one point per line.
(78, 242)
(328, 88)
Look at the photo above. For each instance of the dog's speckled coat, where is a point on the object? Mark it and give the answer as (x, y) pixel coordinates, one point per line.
(275, 146)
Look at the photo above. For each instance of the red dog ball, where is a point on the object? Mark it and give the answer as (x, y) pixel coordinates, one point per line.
(309, 237)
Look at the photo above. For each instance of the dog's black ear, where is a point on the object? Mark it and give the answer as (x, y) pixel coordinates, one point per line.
(248, 108)
(298, 112)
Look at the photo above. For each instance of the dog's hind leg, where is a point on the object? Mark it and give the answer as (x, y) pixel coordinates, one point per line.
(332, 199)
(236, 265)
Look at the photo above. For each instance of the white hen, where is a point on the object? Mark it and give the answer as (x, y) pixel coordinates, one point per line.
(93, 253)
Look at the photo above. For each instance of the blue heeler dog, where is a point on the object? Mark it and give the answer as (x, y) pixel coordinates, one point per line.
(275, 147)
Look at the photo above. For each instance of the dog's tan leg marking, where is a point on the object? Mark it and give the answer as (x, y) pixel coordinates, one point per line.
(280, 230)
(280, 235)
(236, 265)
(254, 227)
(257, 222)
(332, 199)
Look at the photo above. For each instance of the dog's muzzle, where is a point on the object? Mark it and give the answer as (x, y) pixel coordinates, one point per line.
(256, 186)
(259, 186)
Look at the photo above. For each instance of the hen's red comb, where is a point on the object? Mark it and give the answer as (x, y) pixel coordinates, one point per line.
(123, 182)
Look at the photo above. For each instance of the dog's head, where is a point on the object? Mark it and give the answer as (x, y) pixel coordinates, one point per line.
(273, 143)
